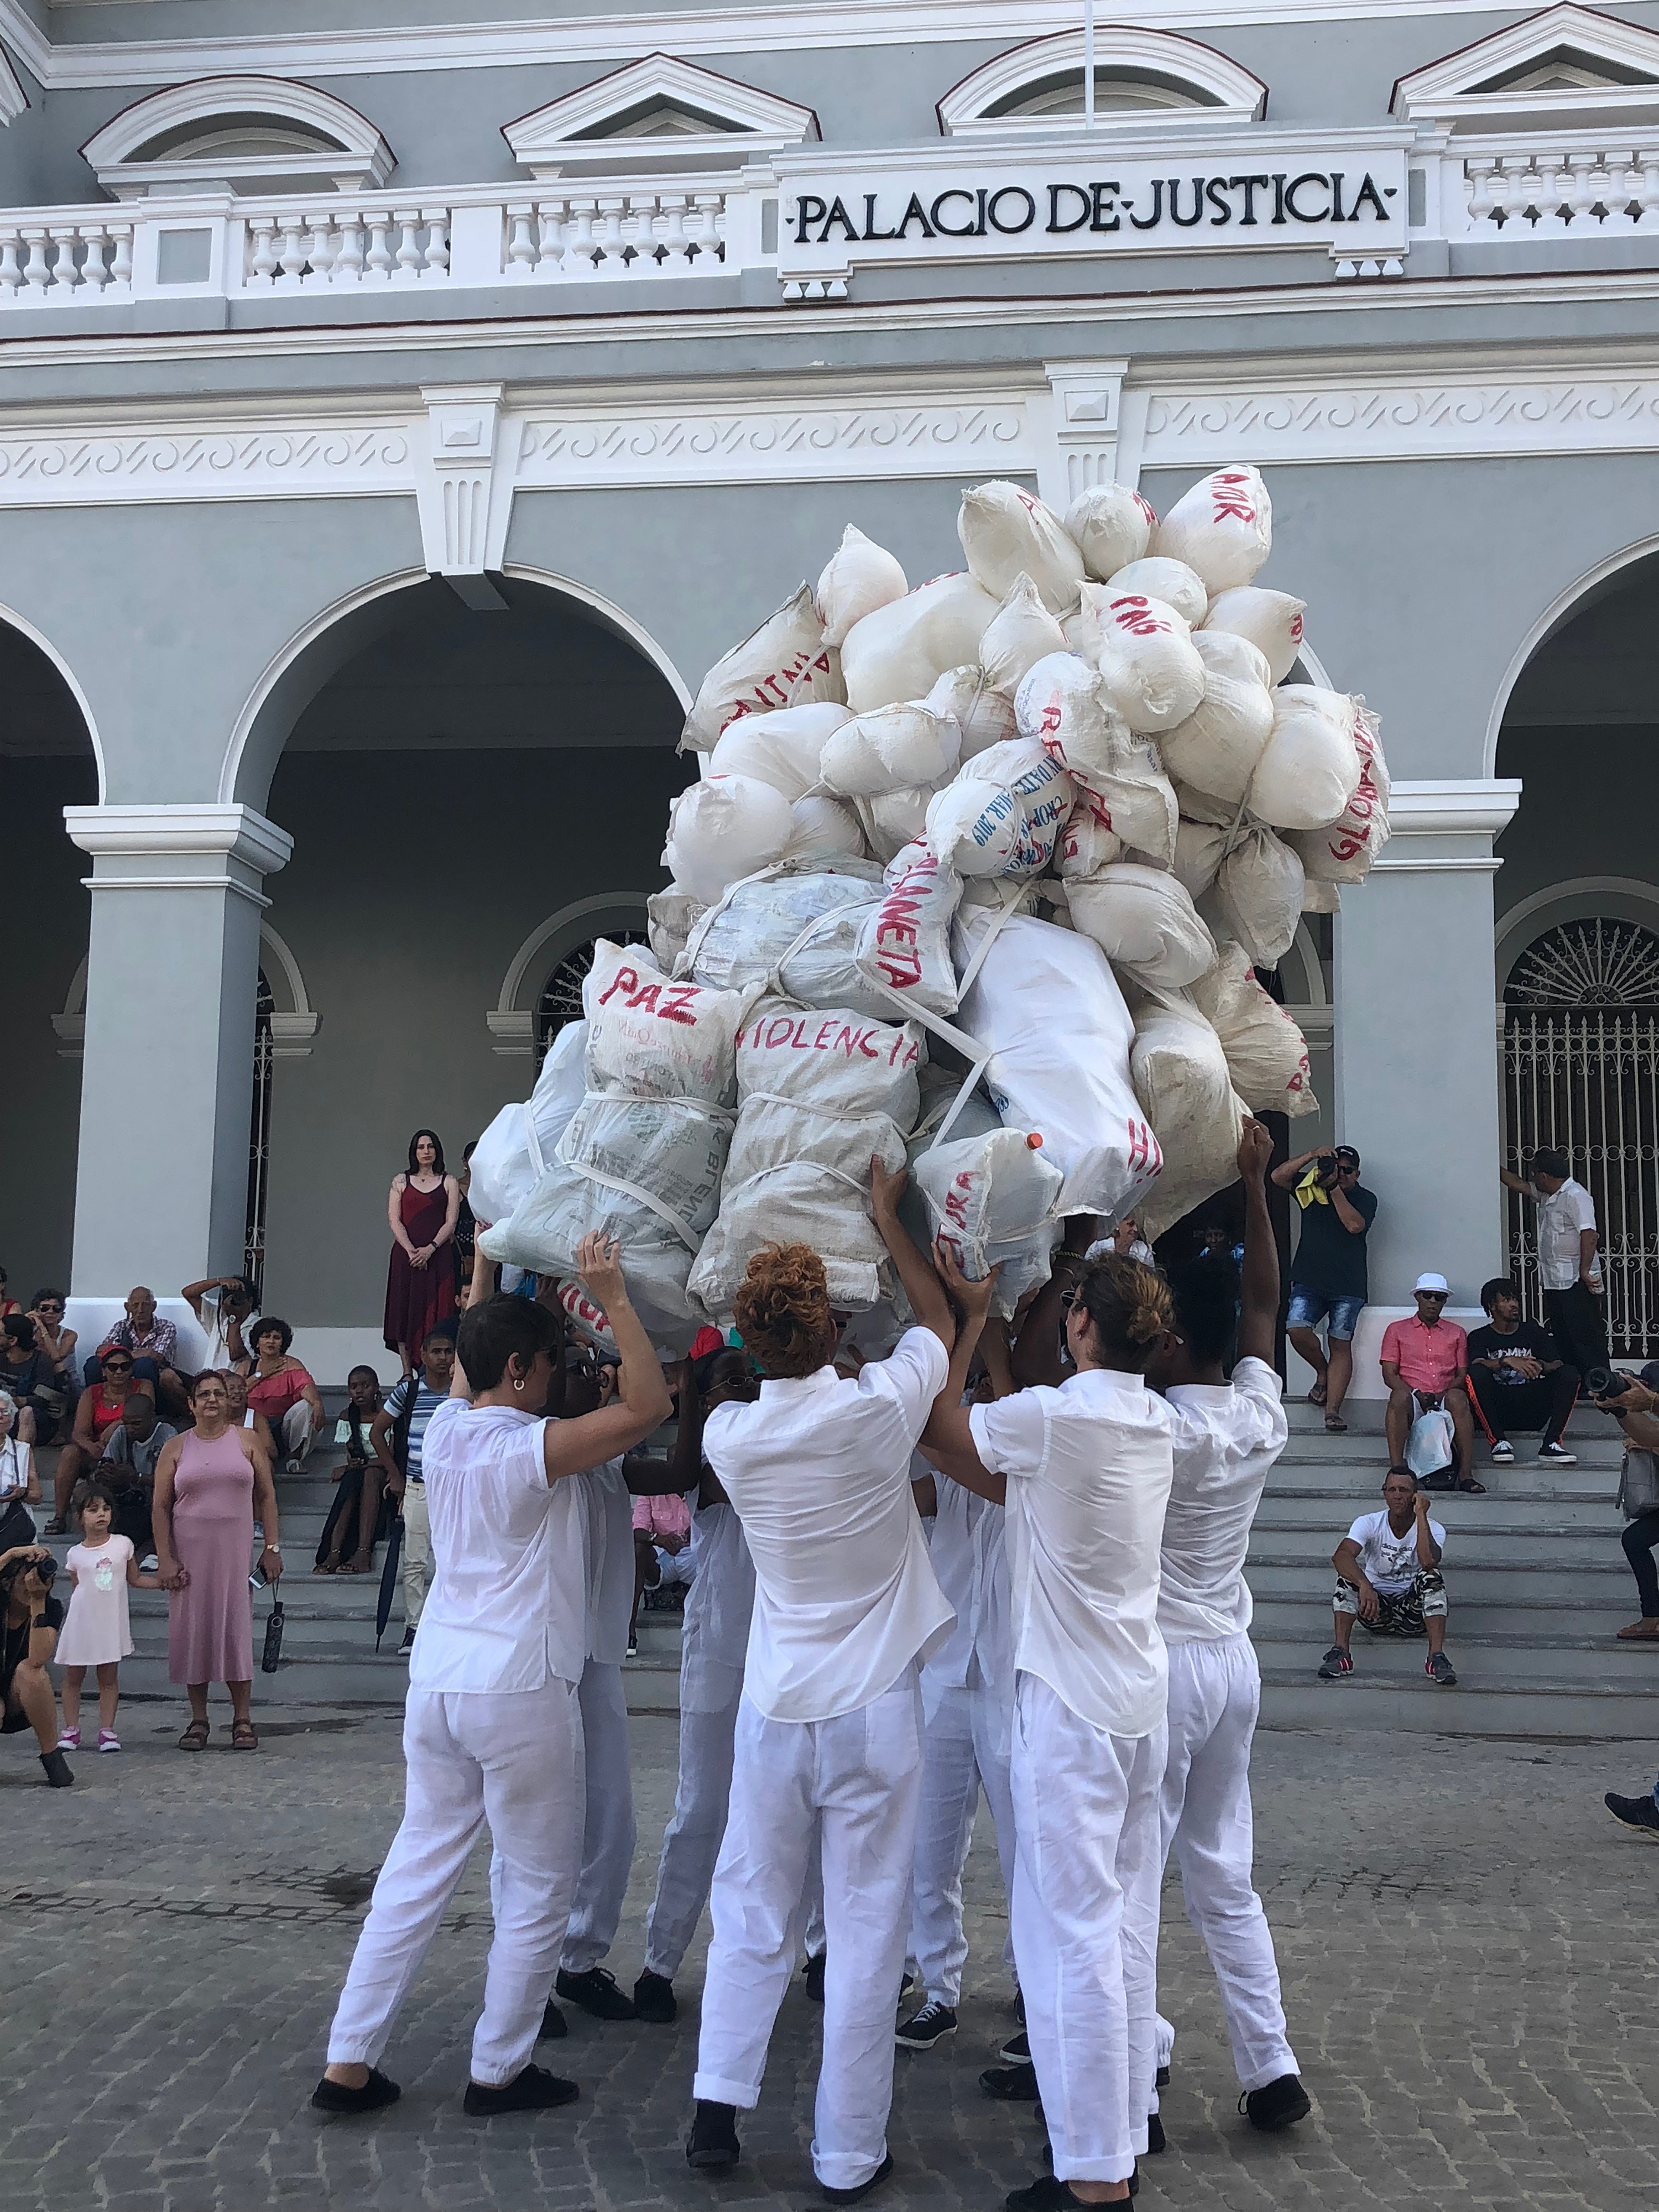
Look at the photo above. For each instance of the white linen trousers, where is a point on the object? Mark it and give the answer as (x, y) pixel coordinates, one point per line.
(691, 1841)
(512, 1760)
(960, 1755)
(1215, 1692)
(852, 1785)
(609, 1832)
(1085, 1927)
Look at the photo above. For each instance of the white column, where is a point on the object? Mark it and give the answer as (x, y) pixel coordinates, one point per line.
(168, 1075)
(1416, 1049)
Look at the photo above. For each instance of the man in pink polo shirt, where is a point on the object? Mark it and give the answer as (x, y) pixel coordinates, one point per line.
(1425, 1363)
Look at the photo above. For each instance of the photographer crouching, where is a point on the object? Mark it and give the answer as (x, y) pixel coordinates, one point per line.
(1634, 1404)
(32, 1619)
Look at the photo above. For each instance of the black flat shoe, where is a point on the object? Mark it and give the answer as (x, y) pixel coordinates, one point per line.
(334, 2097)
(1047, 2195)
(712, 2146)
(1280, 2104)
(653, 1999)
(60, 1775)
(595, 1992)
(554, 2024)
(532, 2091)
(860, 2189)
(1010, 2085)
(1155, 2140)
(813, 1973)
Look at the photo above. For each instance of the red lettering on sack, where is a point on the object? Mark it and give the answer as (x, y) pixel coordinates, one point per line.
(951, 1247)
(625, 979)
(777, 1029)
(819, 1040)
(1147, 508)
(1135, 614)
(797, 1040)
(676, 1007)
(645, 998)
(1295, 627)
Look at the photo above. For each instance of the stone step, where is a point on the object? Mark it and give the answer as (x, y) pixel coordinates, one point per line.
(1528, 1483)
(1523, 1715)
(1538, 1617)
(1467, 1580)
(1466, 1519)
(1503, 1661)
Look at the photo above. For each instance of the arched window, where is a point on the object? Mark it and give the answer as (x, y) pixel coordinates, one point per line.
(255, 134)
(1140, 76)
(561, 1000)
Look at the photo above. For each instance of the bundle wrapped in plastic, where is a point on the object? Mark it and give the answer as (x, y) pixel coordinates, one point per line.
(819, 1095)
(859, 577)
(1310, 767)
(722, 829)
(643, 1154)
(1223, 527)
(983, 715)
(1144, 921)
(1144, 651)
(1172, 581)
(516, 1147)
(782, 749)
(1182, 1081)
(993, 1201)
(1343, 850)
(893, 747)
(1063, 704)
(1004, 530)
(671, 916)
(784, 663)
(1267, 1054)
(1019, 635)
(1003, 813)
(1048, 1007)
(1271, 620)
(1111, 526)
(1217, 748)
(902, 650)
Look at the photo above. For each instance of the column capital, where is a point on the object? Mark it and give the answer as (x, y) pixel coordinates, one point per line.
(1438, 825)
(180, 833)
(1083, 452)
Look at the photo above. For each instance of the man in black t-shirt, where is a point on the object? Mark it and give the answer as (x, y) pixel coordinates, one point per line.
(1328, 1281)
(1519, 1379)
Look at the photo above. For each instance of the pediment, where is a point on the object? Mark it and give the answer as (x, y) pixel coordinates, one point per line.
(1567, 68)
(658, 111)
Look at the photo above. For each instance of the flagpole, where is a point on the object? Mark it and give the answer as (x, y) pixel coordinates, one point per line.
(1088, 64)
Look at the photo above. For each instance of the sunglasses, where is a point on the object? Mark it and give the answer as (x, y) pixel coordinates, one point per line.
(1437, 1297)
(117, 1367)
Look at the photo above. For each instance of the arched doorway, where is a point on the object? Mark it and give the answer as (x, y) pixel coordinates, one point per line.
(561, 997)
(1577, 914)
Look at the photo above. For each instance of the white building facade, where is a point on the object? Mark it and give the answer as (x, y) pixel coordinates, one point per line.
(397, 415)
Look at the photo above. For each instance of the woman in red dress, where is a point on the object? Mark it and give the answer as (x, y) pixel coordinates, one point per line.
(420, 1290)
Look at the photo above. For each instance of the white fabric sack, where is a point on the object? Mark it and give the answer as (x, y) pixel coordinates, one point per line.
(1180, 1079)
(859, 577)
(1003, 814)
(1145, 653)
(1321, 898)
(1310, 768)
(904, 943)
(1223, 527)
(1217, 747)
(784, 663)
(1063, 704)
(1019, 635)
(1266, 1053)
(1272, 621)
(902, 650)
(517, 1146)
(671, 916)
(1199, 849)
(1086, 842)
(1258, 894)
(819, 1094)
(724, 828)
(1111, 526)
(890, 749)
(1144, 921)
(781, 749)
(1005, 530)
(824, 826)
(894, 820)
(984, 716)
(1431, 1442)
(1046, 1002)
(1343, 850)
(806, 919)
(1172, 581)
(651, 1036)
(993, 1201)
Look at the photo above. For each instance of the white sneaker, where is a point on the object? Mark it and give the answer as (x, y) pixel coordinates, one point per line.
(1503, 1455)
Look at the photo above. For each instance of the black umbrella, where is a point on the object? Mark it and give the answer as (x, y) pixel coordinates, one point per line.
(394, 1552)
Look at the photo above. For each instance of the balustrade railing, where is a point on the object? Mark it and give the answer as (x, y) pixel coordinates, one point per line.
(319, 247)
(88, 257)
(1561, 188)
(584, 235)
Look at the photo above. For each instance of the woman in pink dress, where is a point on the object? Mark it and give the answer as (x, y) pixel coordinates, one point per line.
(211, 1483)
(422, 1210)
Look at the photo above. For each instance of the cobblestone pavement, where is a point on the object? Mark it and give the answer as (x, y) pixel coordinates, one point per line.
(1466, 1942)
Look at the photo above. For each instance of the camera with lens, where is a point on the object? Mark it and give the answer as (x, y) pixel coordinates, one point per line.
(46, 1569)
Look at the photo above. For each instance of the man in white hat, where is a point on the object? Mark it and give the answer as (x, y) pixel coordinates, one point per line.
(1425, 1363)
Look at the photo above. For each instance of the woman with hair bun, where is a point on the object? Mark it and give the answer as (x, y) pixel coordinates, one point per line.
(829, 1727)
(1085, 1470)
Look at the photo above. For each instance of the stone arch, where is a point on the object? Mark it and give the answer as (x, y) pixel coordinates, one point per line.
(1567, 604)
(513, 1018)
(1581, 898)
(43, 645)
(294, 1020)
(1210, 84)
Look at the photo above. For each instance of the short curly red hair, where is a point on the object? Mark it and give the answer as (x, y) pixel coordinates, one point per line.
(782, 1310)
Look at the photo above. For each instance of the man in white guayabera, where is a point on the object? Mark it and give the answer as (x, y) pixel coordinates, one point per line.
(829, 1729)
(1226, 1436)
(492, 1730)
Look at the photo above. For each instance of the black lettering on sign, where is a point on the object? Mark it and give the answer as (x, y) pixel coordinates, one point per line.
(914, 212)
(1337, 215)
(870, 230)
(1280, 214)
(837, 215)
(1078, 220)
(1104, 216)
(1301, 214)
(943, 228)
(1368, 192)
(1186, 221)
(1223, 206)
(1151, 221)
(1246, 221)
(979, 228)
(808, 209)
(1011, 192)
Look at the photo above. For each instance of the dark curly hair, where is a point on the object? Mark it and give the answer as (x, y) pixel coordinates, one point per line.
(1130, 1306)
(782, 1310)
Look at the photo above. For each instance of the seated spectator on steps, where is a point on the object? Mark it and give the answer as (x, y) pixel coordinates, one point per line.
(242, 1415)
(1329, 1282)
(1425, 1364)
(225, 1306)
(280, 1387)
(346, 1546)
(103, 1403)
(127, 1470)
(57, 1340)
(1389, 1578)
(29, 1375)
(153, 1344)
(20, 1484)
(1519, 1379)
(8, 1303)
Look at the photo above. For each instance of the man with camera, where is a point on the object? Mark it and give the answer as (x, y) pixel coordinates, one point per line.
(29, 1623)
(1328, 1276)
(1635, 1405)
(1569, 1262)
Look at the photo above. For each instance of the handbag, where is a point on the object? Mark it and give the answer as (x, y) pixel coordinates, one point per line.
(1431, 1444)
(273, 1657)
(1638, 1485)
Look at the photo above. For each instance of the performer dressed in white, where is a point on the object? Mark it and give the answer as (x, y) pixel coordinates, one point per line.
(829, 1737)
(714, 1637)
(492, 1732)
(1225, 1436)
(1085, 1469)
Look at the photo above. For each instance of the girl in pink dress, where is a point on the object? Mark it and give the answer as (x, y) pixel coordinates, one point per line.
(96, 1632)
(209, 1485)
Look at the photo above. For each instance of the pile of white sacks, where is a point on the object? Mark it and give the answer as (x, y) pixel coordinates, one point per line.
(977, 875)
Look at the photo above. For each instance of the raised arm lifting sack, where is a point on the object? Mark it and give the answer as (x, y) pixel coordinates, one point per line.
(993, 1201)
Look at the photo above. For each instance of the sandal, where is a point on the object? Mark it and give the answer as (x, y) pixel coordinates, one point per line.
(1335, 1425)
(195, 1737)
(326, 1567)
(1640, 1631)
(1471, 1487)
(1316, 1395)
(244, 1736)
